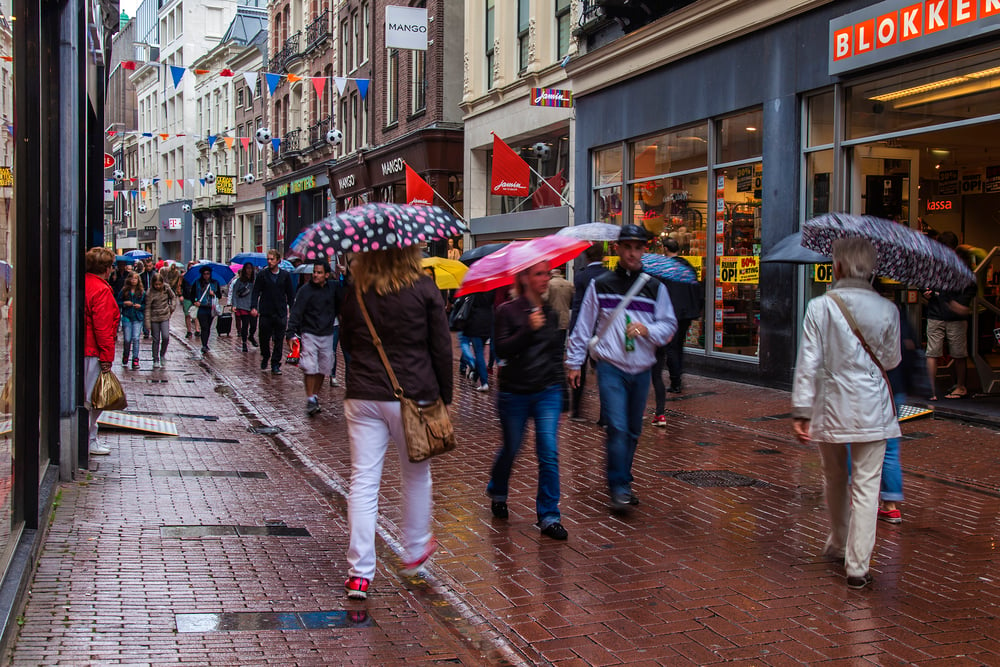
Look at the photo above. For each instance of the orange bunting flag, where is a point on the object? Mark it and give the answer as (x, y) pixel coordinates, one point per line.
(229, 142)
(292, 78)
(169, 183)
(201, 71)
(164, 136)
(418, 191)
(319, 82)
(9, 59)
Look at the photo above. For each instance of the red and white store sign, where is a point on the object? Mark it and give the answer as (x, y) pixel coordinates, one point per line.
(897, 28)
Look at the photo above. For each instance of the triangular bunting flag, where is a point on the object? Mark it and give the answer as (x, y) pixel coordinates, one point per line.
(143, 193)
(9, 59)
(120, 193)
(229, 142)
(292, 78)
(191, 182)
(134, 193)
(251, 78)
(202, 181)
(176, 72)
(276, 144)
(111, 133)
(272, 81)
(226, 72)
(155, 181)
(180, 184)
(147, 134)
(170, 183)
(319, 83)
(362, 86)
(341, 83)
(164, 136)
(128, 64)
(199, 72)
(211, 141)
(144, 183)
(246, 143)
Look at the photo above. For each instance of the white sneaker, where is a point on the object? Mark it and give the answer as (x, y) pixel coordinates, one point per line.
(483, 387)
(156, 364)
(99, 450)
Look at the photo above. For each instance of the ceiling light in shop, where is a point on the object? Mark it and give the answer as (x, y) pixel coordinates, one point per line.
(751, 129)
(938, 85)
(923, 88)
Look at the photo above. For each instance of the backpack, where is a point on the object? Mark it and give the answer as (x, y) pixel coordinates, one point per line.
(461, 310)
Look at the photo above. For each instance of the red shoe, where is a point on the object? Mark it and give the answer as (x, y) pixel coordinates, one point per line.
(411, 568)
(357, 588)
(660, 421)
(890, 516)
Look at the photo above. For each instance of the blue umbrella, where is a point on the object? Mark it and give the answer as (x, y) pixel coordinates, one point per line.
(669, 268)
(286, 265)
(123, 258)
(138, 254)
(258, 259)
(220, 272)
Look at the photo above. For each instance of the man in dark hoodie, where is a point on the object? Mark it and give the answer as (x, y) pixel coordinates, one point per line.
(312, 319)
(273, 294)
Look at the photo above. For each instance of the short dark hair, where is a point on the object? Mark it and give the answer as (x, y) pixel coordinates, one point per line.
(671, 244)
(595, 253)
(950, 239)
(205, 269)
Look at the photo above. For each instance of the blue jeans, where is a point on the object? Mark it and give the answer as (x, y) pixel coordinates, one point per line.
(468, 359)
(623, 402)
(336, 341)
(132, 330)
(477, 346)
(515, 410)
(892, 472)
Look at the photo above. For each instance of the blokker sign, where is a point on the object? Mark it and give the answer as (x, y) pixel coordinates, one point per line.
(897, 28)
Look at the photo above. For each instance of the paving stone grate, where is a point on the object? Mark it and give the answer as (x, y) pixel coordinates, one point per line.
(232, 531)
(713, 478)
(768, 418)
(267, 430)
(245, 474)
(685, 397)
(767, 451)
(190, 438)
(208, 418)
(255, 621)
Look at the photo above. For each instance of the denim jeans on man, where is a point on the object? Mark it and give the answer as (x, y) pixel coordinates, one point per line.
(514, 411)
(623, 403)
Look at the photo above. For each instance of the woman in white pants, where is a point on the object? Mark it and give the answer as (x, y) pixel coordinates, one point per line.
(408, 315)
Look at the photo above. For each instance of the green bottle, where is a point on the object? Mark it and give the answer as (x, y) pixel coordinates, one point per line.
(629, 341)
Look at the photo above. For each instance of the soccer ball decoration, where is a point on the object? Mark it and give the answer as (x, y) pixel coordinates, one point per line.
(119, 174)
(127, 213)
(334, 137)
(186, 207)
(142, 208)
(541, 150)
(263, 135)
(249, 179)
(209, 178)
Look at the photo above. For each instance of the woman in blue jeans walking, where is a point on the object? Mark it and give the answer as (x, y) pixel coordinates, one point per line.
(530, 349)
(132, 302)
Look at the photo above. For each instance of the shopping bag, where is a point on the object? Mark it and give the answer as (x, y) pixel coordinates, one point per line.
(216, 306)
(108, 393)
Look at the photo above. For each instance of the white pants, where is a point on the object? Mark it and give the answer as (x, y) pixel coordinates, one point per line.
(370, 425)
(853, 510)
(91, 369)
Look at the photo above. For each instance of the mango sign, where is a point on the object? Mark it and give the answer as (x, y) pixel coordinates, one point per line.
(743, 269)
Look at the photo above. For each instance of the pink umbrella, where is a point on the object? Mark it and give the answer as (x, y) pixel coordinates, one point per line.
(499, 268)
(236, 266)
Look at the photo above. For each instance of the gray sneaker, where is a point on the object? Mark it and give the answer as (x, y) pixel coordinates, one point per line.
(97, 449)
(312, 407)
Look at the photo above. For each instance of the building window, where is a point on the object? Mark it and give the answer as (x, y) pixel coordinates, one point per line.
(365, 26)
(239, 97)
(345, 48)
(260, 150)
(419, 93)
(490, 19)
(358, 39)
(355, 124)
(345, 127)
(562, 28)
(523, 20)
(392, 88)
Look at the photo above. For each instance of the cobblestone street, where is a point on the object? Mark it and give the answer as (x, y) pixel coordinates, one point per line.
(226, 546)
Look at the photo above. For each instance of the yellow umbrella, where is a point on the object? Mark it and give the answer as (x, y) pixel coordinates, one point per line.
(448, 273)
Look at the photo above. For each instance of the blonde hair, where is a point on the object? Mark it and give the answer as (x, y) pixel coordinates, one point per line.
(99, 259)
(387, 271)
(855, 256)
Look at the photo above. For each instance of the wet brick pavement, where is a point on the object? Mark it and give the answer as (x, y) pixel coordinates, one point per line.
(695, 575)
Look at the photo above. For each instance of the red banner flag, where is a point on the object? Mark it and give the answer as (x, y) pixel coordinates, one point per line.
(418, 191)
(511, 174)
(128, 64)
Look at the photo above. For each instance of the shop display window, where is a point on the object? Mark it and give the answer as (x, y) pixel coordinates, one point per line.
(821, 114)
(741, 137)
(548, 157)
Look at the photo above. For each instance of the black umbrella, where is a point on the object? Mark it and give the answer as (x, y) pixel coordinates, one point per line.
(469, 256)
(790, 251)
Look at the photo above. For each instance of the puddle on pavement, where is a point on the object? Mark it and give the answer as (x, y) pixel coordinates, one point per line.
(232, 531)
(242, 474)
(256, 621)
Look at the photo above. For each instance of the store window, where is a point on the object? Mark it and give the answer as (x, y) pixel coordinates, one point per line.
(738, 191)
(607, 186)
(548, 157)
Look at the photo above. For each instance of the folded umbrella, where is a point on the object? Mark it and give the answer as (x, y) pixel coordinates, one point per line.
(376, 226)
(592, 231)
(448, 273)
(904, 254)
(470, 256)
(499, 268)
(790, 251)
(669, 268)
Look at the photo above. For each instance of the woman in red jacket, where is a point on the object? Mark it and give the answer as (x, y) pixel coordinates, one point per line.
(100, 321)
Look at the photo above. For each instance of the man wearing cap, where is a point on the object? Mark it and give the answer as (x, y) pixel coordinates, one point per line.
(625, 350)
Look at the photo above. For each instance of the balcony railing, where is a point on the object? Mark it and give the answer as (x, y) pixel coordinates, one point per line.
(318, 31)
(630, 14)
(290, 144)
(289, 51)
(317, 133)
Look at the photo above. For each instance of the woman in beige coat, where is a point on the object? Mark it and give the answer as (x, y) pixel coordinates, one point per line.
(160, 304)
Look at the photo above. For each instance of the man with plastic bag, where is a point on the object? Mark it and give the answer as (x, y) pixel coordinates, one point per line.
(100, 318)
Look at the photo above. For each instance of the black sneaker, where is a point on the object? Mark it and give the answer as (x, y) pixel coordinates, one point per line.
(187, 335)
(253, 341)
(275, 370)
(499, 509)
(245, 349)
(555, 531)
(621, 502)
(857, 583)
(263, 364)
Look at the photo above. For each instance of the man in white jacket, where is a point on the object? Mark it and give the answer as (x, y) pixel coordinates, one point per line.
(841, 397)
(624, 354)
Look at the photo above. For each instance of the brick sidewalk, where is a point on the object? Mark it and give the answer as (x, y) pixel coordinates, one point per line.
(696, 575)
